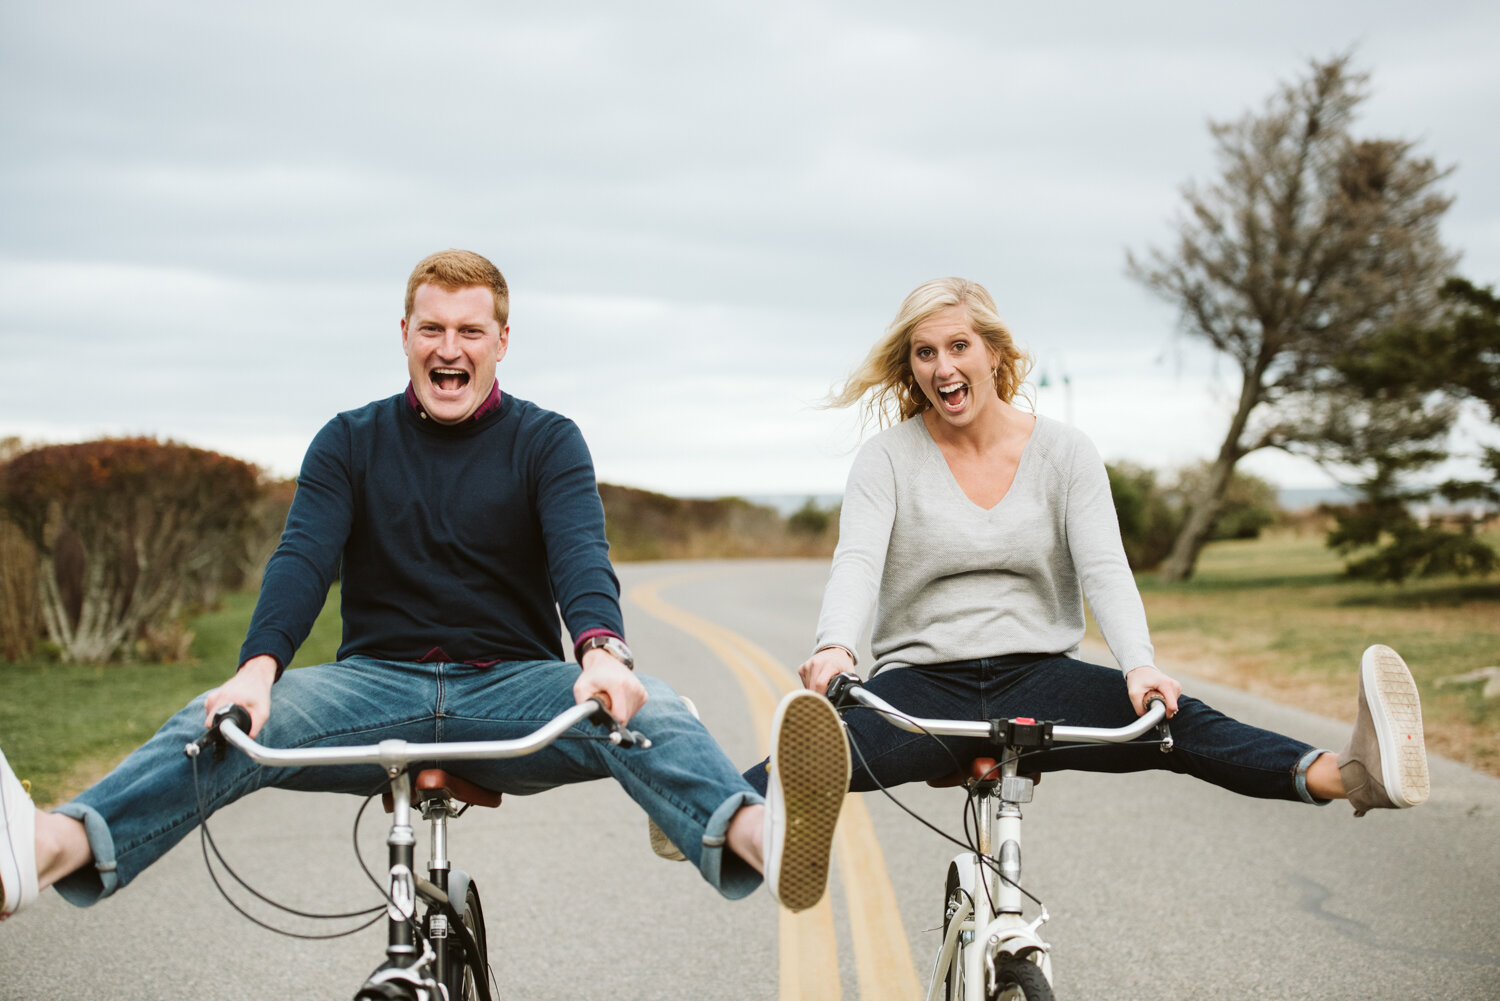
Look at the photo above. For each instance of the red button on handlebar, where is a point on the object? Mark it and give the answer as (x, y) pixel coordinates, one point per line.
(1024, 721)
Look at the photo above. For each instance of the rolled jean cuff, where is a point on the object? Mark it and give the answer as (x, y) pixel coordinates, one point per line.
(1303, 764)
(725, 871)
(92, 883)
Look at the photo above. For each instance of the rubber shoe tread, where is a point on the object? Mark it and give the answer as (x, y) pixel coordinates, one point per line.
(1385, 763)
(809, 779)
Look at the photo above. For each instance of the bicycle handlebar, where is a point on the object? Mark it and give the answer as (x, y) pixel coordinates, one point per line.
(846, 689)
(231, 723)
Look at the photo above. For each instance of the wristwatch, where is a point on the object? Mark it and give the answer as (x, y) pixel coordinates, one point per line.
(612, 645)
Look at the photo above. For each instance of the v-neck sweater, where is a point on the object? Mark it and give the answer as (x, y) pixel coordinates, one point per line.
(951, 581)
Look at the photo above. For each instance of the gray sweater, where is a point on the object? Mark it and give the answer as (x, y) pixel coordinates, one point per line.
(950, 581)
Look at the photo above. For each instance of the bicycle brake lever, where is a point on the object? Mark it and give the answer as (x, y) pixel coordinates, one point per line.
(619, 734)
(625, 737)
(1162, 727)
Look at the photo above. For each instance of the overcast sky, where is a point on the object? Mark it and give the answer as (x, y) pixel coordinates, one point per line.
(706, 211)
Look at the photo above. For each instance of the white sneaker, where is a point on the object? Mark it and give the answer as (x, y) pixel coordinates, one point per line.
(660, 843)
(18, 844)
(809, 778)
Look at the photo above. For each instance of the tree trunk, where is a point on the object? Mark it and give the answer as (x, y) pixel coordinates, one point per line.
(1183, 560)
(1193, 535)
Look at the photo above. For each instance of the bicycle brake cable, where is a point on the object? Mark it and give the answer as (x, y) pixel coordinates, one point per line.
(206, 841)
(971, 809)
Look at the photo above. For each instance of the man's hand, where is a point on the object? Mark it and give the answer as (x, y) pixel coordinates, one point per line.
(616, 684)
(818, 670)
(1142, 681)
(251, 688)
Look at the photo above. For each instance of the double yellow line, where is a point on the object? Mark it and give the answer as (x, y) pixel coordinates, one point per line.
(808, 944)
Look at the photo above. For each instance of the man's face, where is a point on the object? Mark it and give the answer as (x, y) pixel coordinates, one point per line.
(453, 343)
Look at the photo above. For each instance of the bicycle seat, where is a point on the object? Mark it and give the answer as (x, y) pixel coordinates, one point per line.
(434, 782)
(978, 770)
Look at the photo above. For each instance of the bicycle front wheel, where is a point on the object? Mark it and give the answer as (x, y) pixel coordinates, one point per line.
(469, 962)
(1020, 980)
(957, 898)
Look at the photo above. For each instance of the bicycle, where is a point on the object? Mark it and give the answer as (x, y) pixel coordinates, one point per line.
(440, 952)
(990, 951)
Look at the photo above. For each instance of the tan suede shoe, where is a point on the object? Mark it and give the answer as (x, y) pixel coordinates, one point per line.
(660, 843)
(1384, 765)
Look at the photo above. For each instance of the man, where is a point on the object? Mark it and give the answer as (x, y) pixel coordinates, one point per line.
(461, 521)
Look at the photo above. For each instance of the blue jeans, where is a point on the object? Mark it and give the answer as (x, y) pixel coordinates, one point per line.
(683, 781)
(1057, 688)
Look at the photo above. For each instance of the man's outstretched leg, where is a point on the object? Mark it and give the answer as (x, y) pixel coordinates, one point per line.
(790, 837)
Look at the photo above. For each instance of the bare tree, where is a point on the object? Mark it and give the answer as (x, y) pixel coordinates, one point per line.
(1309, 241)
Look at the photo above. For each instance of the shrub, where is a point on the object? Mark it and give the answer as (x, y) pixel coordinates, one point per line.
(1151, 515)
(642, 525)
(20, 612)
(127, 532)
(1149, 518)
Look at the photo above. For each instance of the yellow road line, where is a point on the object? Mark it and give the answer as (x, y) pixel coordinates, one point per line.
(882, 954)
(808, 947)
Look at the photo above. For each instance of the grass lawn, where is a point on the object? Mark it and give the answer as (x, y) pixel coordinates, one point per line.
(1276, 616)
(64, 725)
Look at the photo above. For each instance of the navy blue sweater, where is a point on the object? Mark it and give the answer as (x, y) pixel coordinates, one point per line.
(466, 539)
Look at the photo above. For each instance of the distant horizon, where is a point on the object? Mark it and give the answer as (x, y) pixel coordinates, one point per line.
(1287, 498)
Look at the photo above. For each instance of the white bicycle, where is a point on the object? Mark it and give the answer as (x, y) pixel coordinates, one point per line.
(991, 950)
(436, 944)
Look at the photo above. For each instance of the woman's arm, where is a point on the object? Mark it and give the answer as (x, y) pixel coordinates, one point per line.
(865, 520)
(1098, 556)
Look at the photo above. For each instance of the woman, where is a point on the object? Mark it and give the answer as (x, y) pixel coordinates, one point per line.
(975, 530)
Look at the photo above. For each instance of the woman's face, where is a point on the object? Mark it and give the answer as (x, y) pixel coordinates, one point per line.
(953, 366)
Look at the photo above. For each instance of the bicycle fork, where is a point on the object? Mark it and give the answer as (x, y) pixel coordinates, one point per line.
(406, 973)
(999, 929)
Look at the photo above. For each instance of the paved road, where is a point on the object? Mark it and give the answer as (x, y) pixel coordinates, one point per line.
(1157, 886)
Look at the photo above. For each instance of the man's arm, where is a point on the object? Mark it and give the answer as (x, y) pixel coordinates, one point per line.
(297, 577)
(587, 590)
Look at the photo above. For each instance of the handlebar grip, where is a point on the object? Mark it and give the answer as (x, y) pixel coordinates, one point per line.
(239, 715)
(839, 689)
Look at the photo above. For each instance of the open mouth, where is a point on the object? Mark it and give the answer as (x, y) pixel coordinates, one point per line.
(954, 394)
(449, 380)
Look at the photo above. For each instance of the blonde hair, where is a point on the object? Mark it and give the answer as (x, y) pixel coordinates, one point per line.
(452, 270)
(884, 380)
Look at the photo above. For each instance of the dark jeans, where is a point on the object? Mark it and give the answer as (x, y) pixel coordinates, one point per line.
(1059, 689)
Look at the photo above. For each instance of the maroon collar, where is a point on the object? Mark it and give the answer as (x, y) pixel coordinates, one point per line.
(491, 402)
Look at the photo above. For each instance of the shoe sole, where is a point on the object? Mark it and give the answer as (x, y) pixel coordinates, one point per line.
(1391, 695)
(810, 766)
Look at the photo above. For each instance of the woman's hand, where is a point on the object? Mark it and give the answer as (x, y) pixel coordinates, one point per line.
(818, 670)
(1143, 681)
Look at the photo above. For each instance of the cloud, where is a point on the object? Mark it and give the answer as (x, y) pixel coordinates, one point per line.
(707, 211)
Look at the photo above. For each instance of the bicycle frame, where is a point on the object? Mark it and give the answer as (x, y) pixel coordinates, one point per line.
(985, 901)
(412, 972)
